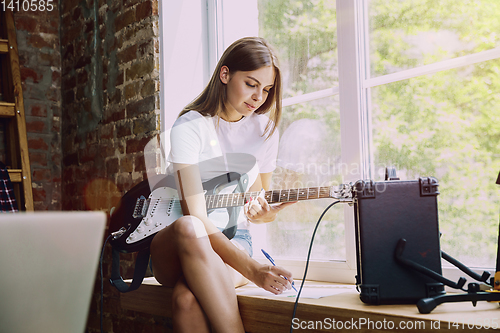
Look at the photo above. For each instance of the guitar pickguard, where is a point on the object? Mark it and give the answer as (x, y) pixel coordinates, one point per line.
(163, 208)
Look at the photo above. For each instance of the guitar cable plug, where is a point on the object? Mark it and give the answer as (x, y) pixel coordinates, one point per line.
(344, 193)
(119, 233)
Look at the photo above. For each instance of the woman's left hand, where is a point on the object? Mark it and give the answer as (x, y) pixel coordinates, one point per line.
(257, 210)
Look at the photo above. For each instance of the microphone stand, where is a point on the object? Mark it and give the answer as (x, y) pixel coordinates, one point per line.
(474, 293)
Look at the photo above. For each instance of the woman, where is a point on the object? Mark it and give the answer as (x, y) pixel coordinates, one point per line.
(192, 255)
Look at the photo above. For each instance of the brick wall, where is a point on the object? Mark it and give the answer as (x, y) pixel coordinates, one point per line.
(110, 95)
(110, 90)
(90, 73)
(40, 66)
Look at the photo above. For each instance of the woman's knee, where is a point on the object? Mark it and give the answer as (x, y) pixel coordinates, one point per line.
(189, 227)
(191, 237)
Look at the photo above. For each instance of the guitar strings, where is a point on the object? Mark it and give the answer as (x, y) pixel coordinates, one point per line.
(239, 199)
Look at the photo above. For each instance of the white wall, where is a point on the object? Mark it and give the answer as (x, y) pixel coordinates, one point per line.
(183, 55)
(194, 34)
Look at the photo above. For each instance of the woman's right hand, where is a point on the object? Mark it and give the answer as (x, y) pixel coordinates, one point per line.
(272, 278)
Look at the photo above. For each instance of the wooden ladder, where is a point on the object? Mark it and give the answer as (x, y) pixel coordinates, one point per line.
(12, 114)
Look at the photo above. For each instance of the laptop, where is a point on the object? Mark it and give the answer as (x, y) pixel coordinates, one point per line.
(48, 266)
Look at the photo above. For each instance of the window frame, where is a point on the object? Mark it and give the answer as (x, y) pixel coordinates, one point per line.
(355, 116)
(367, 82)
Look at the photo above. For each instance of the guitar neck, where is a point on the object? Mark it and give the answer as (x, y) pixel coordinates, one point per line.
(272, 196)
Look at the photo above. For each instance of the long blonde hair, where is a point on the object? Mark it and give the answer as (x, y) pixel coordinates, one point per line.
(246, 54)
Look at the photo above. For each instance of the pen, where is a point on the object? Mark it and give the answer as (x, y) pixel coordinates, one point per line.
(272, 262)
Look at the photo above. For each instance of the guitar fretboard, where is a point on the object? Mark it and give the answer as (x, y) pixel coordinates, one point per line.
(273, 196)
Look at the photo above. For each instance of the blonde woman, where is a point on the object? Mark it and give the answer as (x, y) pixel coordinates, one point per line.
(226, 121)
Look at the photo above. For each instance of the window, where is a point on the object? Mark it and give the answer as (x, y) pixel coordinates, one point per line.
(433, 91)
(304, 34)
(368, 84)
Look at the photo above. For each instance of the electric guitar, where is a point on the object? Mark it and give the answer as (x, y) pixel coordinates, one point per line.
(153, 205)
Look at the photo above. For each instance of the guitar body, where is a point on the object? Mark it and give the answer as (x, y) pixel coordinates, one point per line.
(153, 204)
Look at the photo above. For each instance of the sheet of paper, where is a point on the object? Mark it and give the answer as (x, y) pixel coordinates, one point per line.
(309, 291)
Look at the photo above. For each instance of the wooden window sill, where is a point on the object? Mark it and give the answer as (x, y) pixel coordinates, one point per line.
(273, 314)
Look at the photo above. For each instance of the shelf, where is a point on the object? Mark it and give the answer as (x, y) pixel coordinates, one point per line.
(12, 114)
(15, 175)
(7, 109)
(4, 46)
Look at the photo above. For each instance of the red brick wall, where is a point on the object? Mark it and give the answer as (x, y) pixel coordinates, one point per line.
(40, 66)
(110, 94)
(91, 93)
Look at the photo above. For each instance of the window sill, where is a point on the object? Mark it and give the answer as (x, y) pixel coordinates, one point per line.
(272, 314)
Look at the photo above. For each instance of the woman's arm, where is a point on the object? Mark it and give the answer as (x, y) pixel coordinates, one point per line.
(191, 194)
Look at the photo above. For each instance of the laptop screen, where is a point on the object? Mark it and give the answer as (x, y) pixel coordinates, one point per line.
(48, 266)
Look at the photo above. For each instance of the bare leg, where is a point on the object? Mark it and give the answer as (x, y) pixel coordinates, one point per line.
(178, 250)
(187, 314)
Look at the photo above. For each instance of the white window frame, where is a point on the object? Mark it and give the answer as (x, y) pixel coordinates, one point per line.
(214, 34)
(365, 83)
(353, 143)
(354, 95)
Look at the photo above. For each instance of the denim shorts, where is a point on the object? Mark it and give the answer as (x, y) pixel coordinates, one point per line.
(243, 238)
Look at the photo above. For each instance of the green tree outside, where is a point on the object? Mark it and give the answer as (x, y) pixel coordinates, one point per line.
(445, 125)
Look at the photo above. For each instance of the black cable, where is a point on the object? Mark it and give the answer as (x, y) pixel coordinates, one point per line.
(102, 282)
(307, 261)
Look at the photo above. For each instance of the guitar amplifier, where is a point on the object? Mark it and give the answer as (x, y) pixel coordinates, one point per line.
(388, 213)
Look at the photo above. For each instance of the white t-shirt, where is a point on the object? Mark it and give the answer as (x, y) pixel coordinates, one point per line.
(218, 147)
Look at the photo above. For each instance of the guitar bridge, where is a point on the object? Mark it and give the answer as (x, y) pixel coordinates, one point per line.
(141, 207)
